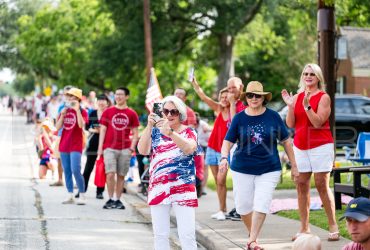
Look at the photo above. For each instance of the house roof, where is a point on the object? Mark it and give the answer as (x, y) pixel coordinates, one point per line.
(358, 46)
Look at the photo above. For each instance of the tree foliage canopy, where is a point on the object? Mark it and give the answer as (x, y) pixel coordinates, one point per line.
(99, 44)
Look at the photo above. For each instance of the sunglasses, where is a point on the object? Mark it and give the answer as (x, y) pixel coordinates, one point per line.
(173, 112)
(251, 95)
(309, 74)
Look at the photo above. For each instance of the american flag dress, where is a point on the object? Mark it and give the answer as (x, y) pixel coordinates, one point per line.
(172, 173)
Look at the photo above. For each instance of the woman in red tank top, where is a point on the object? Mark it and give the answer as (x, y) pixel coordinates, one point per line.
(308, 113)
(213, 155)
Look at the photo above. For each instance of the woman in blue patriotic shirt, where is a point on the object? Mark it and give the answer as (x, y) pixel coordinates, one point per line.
(255, 166)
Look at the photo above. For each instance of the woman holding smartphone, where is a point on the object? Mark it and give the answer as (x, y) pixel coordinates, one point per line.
(72, 119)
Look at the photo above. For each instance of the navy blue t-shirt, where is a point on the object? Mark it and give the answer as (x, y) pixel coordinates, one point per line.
(256, 138)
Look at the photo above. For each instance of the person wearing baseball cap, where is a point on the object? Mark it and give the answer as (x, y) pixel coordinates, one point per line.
(357, 215)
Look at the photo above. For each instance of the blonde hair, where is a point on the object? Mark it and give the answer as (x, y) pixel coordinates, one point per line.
(307, 242)
(179, 104)
(318, 72)
(221, 92)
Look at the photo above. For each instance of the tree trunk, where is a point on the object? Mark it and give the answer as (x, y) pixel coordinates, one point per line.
(226, 66)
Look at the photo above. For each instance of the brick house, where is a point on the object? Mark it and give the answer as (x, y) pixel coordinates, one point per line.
(353, 74)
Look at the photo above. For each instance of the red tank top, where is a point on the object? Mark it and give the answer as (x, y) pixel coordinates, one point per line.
(218, 133)
(306, 135)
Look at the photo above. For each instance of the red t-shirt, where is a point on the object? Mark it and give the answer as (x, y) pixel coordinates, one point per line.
(119, 123)
(72, 135)
(47, 151)
(239, 106)
(306, 135)
(191, 118)
(353, 246)
(218, 133)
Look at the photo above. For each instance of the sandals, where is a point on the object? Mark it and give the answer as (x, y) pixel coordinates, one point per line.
(335, 236)
(255, 247)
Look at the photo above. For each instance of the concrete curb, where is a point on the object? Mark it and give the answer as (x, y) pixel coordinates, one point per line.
(207, 238)
(138, 202)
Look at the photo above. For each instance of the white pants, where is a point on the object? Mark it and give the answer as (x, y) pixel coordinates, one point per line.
(185, 217)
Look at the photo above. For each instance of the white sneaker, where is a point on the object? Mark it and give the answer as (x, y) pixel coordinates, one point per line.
(81, 200)
(69, 199)
(218, 216)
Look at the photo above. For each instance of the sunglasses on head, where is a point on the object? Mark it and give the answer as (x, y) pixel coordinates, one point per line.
(251, 95)
(173, 112)
(309, 74)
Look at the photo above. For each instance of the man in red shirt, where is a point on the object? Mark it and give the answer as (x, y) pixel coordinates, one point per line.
(235, 88)
(115, 144)
(191, 120)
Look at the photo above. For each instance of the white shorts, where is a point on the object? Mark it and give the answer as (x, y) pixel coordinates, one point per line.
(254, 192)
(315, 160)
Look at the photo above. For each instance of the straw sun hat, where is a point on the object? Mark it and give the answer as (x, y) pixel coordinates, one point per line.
(48, 124)
(75, 92)
(256, 87)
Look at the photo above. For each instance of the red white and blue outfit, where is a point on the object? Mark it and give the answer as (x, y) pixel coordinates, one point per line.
(172, 186)
(172, 173)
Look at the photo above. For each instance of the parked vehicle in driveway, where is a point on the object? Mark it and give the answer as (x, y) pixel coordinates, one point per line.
(352, 116)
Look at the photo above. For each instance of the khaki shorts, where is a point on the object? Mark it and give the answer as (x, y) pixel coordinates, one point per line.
(117, 161)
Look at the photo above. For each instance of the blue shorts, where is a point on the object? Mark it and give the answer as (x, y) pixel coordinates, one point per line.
(212, 157)
(44, 161)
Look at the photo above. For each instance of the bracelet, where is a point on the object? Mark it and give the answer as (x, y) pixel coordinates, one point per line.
(224, 158)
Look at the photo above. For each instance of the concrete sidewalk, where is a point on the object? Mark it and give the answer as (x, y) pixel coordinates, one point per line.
(220, 235)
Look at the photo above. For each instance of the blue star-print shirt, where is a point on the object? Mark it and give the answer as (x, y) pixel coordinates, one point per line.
(256, 138)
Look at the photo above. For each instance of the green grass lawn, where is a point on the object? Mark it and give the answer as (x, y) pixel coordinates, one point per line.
(286, 182)
(319, 219)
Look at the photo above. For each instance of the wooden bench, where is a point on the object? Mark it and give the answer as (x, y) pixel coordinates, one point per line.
(355, 189)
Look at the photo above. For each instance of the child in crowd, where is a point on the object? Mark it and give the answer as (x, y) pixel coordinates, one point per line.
(44, 145)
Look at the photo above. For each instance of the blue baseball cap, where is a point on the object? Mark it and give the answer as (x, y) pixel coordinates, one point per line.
(358, 209)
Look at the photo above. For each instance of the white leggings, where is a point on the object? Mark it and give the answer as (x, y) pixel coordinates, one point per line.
(185, 217)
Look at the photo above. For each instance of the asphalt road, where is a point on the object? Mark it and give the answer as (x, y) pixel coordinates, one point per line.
(31, 213)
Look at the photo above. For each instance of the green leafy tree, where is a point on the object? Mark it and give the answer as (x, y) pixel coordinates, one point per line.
(59, 42)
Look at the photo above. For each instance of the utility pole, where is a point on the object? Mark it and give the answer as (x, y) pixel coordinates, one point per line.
(326, 48)
(148, 39)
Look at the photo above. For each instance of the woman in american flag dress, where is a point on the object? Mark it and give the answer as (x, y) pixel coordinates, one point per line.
(172, 173)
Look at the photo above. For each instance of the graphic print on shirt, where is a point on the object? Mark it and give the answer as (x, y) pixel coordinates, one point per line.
(120, 121)
(256, 132)
(69, 120)
(172, 173)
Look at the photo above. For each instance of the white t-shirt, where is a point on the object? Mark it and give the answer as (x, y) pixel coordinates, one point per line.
(38, 105)
(203, 133)
(52, 109)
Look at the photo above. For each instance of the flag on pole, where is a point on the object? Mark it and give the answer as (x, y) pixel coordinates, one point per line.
(153, 93)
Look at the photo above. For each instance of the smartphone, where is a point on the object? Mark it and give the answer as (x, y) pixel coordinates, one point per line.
(191, 74)
(157, 109)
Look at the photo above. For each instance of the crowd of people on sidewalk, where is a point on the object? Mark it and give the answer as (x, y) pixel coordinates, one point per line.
(181, 147)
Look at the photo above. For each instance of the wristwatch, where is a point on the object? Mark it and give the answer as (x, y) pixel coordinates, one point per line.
(307, 108)
(224, 157)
